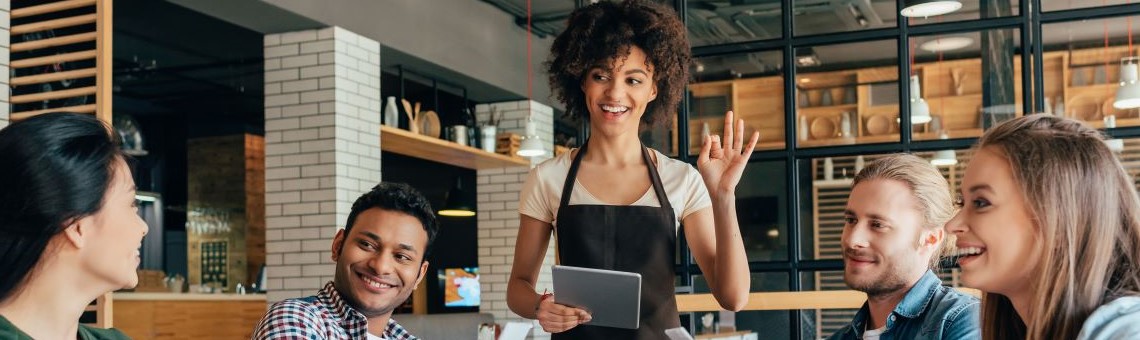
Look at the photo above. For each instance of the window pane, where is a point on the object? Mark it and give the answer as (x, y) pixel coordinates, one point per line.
(718, 22)
(1081, 69)
(824, 322)
(824, 197)
(1053, 5)
(959, 100)
(749, 84)
(847, 93)
(761, 209)
(973, 10)
(818, 17)
(772, 324)
(761, 205)
(661, 135)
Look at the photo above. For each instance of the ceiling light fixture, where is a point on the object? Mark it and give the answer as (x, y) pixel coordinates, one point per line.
(928, 8)
(805, 57)
(457, 202)
(919, 109)
(944, 157)
(946, 44)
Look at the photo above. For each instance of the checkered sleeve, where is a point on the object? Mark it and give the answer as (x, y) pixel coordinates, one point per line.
(290, 320)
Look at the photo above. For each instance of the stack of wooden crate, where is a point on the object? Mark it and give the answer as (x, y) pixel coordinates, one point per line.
(507, 143)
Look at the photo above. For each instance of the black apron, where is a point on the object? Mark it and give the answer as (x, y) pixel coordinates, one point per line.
(637, 239)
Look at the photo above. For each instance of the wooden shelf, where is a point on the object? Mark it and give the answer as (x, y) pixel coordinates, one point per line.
(1104, 86)
(437, 150)
(830, 109)
(888, 138)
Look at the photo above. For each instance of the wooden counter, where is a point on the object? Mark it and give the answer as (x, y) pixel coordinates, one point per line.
(188, 316)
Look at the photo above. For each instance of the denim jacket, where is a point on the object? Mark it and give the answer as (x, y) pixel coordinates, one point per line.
(1119, 319)
(928, 311)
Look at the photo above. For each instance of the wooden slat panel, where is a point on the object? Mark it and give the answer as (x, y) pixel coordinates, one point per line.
(54, 24)
(53, 42)
(90, 108)
(35, 97)
(55, 76)
(105, 315)
(50, 7)
(104, 62)
(53, 59)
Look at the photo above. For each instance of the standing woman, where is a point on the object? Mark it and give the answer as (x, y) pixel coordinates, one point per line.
(1050, 230)
(615, 204)
(69, 226)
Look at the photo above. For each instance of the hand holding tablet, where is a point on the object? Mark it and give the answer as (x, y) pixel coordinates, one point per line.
(612, 298)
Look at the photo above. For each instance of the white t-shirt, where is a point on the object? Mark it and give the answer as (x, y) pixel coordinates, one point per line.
(873, 334)
(542, 190)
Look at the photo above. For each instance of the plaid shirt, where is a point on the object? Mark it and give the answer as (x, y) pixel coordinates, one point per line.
(322, 316)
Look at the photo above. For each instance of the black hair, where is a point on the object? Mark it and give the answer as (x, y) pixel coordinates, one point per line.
(398, 197)
(55, 168)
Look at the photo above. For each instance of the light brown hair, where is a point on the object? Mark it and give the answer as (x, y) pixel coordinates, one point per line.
(926, 183)
(1087, 217)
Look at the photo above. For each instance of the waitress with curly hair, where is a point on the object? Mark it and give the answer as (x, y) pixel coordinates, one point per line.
(614, 203)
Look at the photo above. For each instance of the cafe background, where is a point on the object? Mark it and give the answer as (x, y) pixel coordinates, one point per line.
(254, 124)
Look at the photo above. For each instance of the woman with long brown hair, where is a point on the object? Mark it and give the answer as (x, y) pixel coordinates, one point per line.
(1050, 230)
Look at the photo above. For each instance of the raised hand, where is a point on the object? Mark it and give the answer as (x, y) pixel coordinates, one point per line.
(722, 165)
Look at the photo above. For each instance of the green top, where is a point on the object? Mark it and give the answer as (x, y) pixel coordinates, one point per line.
(8, 331)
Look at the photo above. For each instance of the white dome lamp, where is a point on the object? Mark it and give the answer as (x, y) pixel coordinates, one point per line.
(1128, 94)
(929, 8)
(531, 145)
(944, 157)
(919, 109)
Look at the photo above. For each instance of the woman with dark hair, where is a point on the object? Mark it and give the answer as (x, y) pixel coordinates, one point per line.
(69, 226)
(614, 203)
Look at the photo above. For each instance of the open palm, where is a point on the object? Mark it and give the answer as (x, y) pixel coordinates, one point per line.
(722, 164)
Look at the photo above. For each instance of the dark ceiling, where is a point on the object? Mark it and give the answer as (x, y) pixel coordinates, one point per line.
(172, 60)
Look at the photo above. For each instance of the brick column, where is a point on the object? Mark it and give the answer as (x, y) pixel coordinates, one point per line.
(5, 58)
(498, 202)
(322, 149)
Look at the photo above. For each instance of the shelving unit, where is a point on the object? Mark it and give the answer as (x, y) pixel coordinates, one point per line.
(952, 89)
(437, 150)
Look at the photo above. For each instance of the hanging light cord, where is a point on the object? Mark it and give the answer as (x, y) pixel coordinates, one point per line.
(529, 77)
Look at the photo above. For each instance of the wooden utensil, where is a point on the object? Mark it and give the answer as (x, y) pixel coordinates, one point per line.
(428, 124)
(823, 128)
(412, 126)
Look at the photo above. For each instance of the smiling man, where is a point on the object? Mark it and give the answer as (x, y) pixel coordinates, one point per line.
(380, 259)
(892, 237)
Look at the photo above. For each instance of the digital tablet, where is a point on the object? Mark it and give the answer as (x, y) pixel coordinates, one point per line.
(612, 298)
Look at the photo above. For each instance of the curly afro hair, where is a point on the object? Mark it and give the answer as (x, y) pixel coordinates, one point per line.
(605, 30)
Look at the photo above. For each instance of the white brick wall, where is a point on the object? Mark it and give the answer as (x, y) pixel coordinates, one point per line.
(498, 201)
(322, 149)
(5, 44)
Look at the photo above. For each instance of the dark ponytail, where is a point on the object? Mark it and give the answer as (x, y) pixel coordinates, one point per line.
(54, 168)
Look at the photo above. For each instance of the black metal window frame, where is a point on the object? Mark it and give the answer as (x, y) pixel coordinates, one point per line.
(1028, 21)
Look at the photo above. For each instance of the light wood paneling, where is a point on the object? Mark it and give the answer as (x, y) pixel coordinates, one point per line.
(50, 7)
(54, 24)
(165, 319)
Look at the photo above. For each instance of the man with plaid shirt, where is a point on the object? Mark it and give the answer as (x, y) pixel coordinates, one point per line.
(380, 258)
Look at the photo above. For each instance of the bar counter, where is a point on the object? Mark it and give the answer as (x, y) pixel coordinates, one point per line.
(187, 315)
